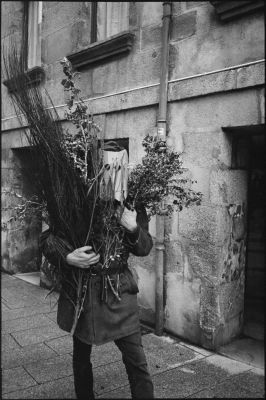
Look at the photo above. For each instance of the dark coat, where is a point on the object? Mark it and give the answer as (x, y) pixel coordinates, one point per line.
(101, 321)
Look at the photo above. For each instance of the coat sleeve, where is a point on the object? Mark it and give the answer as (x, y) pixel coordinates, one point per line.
(140, 241)
(54, 248)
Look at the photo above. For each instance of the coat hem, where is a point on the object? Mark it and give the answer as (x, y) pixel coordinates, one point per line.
(110, 339)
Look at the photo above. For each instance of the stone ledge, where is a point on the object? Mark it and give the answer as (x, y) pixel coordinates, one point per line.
(220, 81)
(228, 10)
(102, 50)
(34, 76)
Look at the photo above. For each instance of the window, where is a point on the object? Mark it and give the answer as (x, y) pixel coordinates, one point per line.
(31, 43)
(112, 18)
(109, 34)
(34, 20)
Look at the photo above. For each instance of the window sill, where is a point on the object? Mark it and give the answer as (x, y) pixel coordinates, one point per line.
(228, 10)
(35, 76)
(102, 50)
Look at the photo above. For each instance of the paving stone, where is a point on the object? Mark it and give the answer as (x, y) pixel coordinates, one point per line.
(24, 312)
(120, 393)
(251, 381)
(246, 350)
(38, 335)
(168, 351)
(58, 389)
(228, 389)
(199, 350)
(61, 345)
(194, 377)
(29, 322)
(8, 342)
(13, 357)
(15, 379)
(228, 365)
(50, 369)
(109, 377)
(4, 308)
(23, 302)
(52, 315)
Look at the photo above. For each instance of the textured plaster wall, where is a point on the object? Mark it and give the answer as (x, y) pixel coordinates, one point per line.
(19, 243)
(205, 246)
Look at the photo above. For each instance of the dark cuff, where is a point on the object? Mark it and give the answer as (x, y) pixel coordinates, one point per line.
(132, 237)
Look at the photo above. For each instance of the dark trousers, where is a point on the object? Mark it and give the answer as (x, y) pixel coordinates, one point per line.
(133, 357)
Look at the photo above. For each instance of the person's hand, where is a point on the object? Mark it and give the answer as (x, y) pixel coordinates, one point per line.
(79, 257)
(128, 219)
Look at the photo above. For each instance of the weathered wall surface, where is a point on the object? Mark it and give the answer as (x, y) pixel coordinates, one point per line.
(205, 245)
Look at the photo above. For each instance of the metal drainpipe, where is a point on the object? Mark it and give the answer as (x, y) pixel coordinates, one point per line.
(161, 133)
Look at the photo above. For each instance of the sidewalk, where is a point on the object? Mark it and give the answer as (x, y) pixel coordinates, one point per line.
(37, 358)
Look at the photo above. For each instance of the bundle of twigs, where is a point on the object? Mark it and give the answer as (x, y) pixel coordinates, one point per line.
(58, 183)
(70, 207)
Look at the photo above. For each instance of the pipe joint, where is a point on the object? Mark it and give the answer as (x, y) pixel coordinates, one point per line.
(160, 246)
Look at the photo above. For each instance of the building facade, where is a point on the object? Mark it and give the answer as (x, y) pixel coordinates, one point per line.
(213, 253)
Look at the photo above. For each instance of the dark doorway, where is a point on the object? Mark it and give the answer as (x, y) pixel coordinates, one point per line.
(255, 256)
(248, 153)
(25, 256)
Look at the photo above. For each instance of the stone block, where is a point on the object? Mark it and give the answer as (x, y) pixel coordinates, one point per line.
(134, 15)
(204, 224)
(131, 75)
(104, 79)
(17, 356)
(174, 258)
(231, 109)
(145, 278)
(262, 105)
(177, 7)
(205, 260)
(182, 307)
(202, 85)
(201, 179)
(38, 335)
(134, 125)
(57, 45)
(203, 147)
(228, 186)
(11, 21)
(250, 76)
(151, 36)
(13, 139)
(183, 26)
(151, 13)
(50, 369)
(15, 379)
(231, 299)
(61, 15)
(194, 4)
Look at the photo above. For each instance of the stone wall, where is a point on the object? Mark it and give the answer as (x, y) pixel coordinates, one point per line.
(205, 245)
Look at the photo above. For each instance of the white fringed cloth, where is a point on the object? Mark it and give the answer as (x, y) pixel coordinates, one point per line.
(114, 180)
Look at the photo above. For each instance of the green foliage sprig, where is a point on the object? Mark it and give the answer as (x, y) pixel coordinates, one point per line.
(159, 179)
